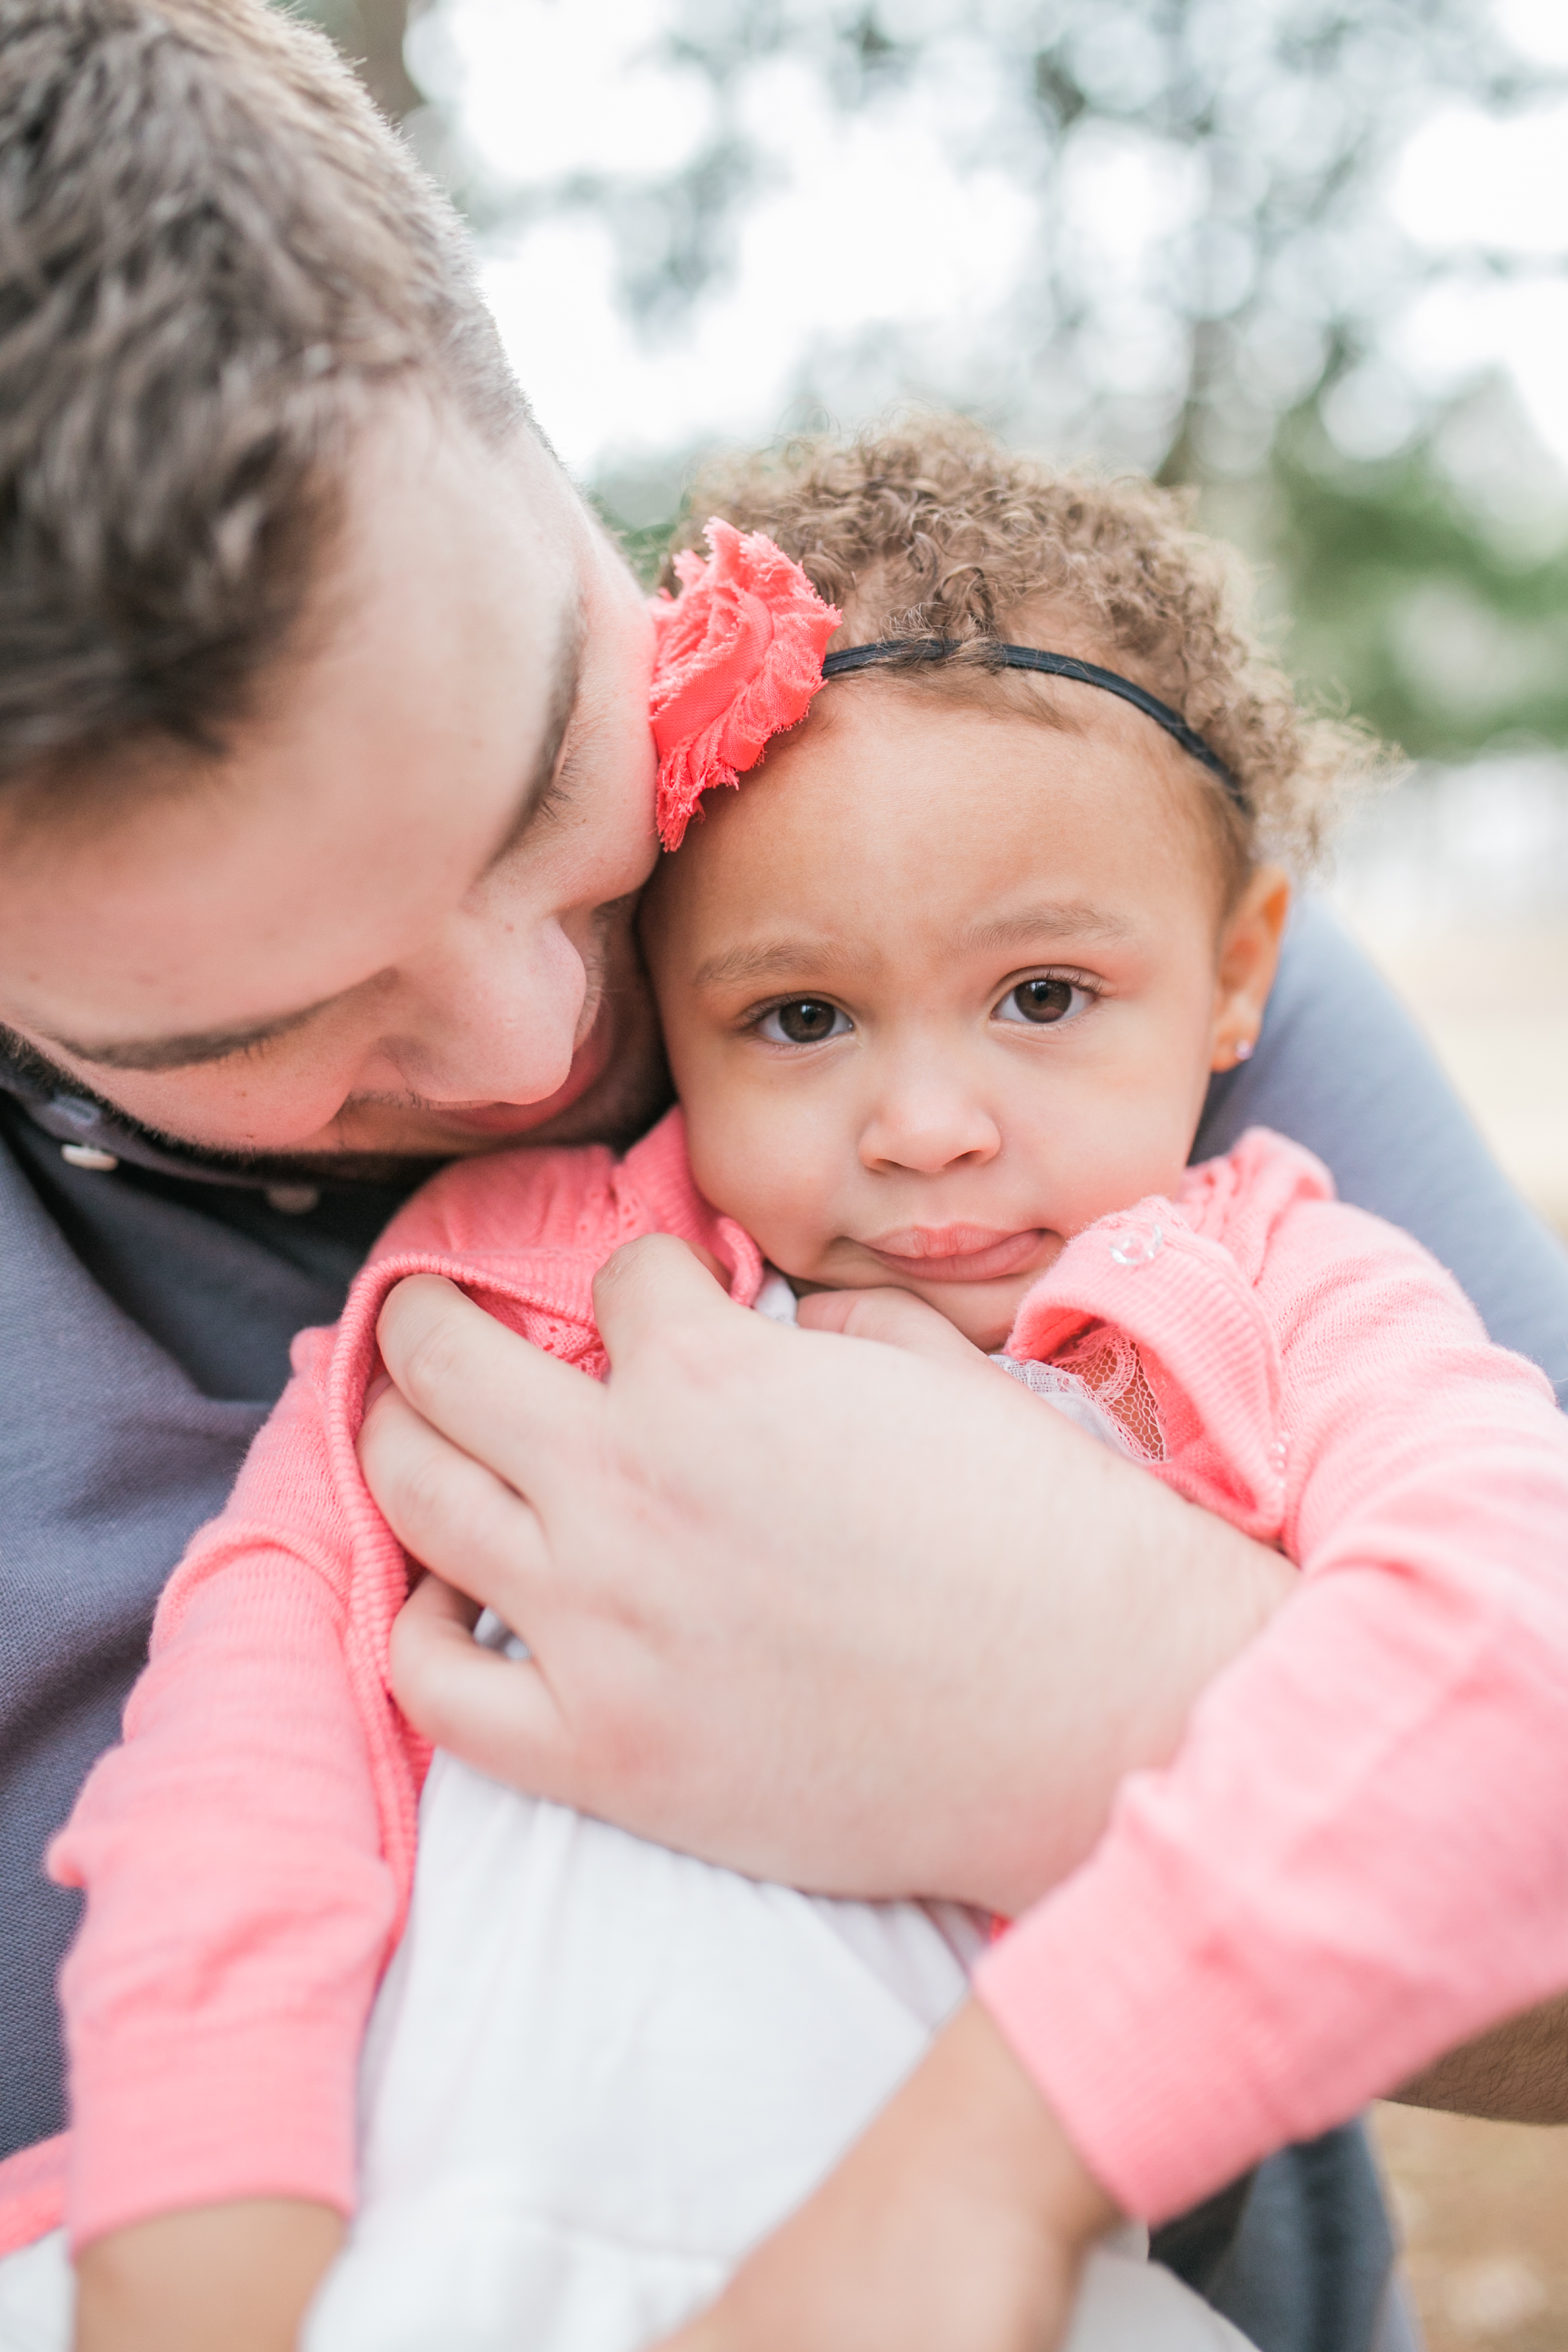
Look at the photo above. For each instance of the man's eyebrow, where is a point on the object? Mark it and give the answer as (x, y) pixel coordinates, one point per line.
(185, 1053)
(189, 1051)
(544, 787)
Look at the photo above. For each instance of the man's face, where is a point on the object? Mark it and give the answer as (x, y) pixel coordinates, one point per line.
(391, 919)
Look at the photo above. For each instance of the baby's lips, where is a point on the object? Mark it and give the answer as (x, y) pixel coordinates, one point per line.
(958, 1252)
(940, 1241)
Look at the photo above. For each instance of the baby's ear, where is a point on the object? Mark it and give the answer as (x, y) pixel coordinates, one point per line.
(1249, 945)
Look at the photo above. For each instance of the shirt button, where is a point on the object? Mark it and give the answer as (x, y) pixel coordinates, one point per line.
(87, 1155)
(1137, 1244)
(80, 1113)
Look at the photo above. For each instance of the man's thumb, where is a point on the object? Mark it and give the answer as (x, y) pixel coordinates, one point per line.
(650, 1283)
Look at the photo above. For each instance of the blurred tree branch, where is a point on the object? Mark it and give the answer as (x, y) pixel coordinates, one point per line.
(372, 34)
(1284, 116)
(1266, 293)
(385, 24)
(1259, 298)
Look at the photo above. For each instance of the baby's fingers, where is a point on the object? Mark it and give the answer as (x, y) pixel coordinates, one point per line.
(896, 1317)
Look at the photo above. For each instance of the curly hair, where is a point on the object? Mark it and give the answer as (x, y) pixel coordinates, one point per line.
(935, 530)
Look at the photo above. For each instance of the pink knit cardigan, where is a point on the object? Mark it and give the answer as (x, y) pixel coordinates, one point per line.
(1359, 1858)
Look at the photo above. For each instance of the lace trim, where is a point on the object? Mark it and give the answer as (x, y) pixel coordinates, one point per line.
(1107, 1363)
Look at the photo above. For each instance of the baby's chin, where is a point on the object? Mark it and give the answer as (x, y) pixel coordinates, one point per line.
(985, 1312)
(982, 1312)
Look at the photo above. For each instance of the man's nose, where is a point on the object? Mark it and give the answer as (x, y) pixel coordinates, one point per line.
(495, 1016)
(926, 1121)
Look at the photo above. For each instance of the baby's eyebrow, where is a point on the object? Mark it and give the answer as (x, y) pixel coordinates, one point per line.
(1058, 919)
(776, 960)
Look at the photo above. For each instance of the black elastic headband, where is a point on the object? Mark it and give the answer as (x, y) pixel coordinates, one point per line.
(935, 649)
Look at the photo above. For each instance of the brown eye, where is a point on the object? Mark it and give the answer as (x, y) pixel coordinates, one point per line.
(1043, 1002)
(804, 1020)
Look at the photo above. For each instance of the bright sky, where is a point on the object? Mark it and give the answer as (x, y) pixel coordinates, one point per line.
(1467, 182)
(898, 217)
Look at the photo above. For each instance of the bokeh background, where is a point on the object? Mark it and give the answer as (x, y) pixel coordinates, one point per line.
(1310, 259)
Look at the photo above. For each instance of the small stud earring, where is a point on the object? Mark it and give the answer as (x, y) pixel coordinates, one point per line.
(1242, 1049)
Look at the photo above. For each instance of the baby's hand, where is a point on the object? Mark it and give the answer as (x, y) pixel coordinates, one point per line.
(894, 1317)
(962, 2218)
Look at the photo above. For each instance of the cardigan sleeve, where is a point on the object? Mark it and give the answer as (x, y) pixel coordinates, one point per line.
(246, 1852)
(1357, 1859)
(239, 1904)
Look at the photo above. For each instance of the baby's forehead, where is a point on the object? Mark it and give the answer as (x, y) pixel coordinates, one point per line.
(975, 713)
(1039, 766)
(915, 817)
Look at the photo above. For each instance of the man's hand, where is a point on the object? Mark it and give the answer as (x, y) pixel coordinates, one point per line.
(801, 1603)
(224, 2278)
(961, 2218)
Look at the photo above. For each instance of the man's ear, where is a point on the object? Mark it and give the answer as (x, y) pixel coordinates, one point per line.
(1249, 959)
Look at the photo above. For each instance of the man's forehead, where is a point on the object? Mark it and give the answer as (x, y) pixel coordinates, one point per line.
(188, 1049)
(466, 676)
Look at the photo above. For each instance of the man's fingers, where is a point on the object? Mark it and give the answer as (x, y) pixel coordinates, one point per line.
(649, 1287)
(496, 1714)
(501, 1400)
(436, 1603)
(452, 1513)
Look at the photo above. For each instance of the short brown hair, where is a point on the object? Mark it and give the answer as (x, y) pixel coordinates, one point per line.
(212, 250)
(935, 530)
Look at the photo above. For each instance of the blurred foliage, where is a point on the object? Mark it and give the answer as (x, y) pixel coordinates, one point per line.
(1414, 594)
(1412, 602)
(370, 32)
(1268, 124)
(1226, 356)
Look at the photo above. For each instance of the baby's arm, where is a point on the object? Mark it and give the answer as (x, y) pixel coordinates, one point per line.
(222, 2278)
(1353, 1862)
(239, 1908)
(1356, 1857)
(247, 1849)
(1517, 2072)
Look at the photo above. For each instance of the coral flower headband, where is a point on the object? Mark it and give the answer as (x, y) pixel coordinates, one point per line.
(741, 653)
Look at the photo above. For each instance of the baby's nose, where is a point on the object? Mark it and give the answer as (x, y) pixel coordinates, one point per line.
(930, 1130)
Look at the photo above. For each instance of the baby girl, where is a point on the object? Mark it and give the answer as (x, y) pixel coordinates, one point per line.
(944, 984)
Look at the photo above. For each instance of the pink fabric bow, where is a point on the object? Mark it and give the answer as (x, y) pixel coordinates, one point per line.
(740, 656)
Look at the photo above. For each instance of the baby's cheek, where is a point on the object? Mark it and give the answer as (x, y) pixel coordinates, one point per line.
(757, 1172)
(734, 1162)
